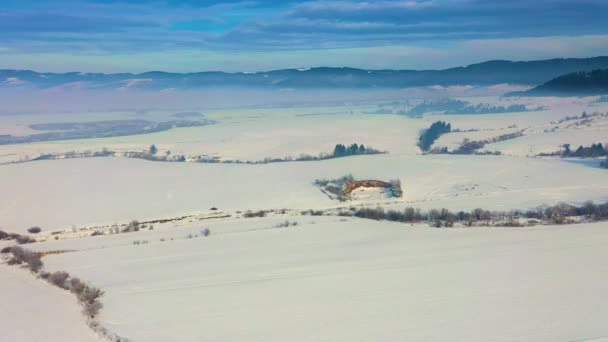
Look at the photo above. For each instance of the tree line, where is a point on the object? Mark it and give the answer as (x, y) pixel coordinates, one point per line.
(428, 137)
(595, 150)
(560, 213)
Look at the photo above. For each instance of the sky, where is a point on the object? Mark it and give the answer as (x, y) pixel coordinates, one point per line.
(187, 36)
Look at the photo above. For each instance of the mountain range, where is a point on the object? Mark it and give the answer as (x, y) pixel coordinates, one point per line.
(486, 73)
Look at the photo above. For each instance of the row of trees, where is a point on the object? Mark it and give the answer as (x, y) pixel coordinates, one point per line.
(557, 214)
(343, 151)
(595, 150)
(428, 137)
(87, 295)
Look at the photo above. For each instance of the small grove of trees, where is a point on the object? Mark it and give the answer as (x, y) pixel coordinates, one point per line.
(354, 149)
(428, 137)
(595, 150)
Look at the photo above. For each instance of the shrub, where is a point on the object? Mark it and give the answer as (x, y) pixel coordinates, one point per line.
(5, 250)
(396, 187)
(316, 212)
(59, 279)
(373, 214)
(90, 294)
(205, 232)
(33, 261)
(77, 286)
(20, 256)
(133, 226)
(286, 224)
(394, 215)
(34, 230)
(259, 213)
(23, 239)
(92, 309)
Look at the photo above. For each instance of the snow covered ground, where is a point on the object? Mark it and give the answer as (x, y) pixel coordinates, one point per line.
(349, 279)
(325, 278)
(33, 310)
(61, 193)
(257, 133)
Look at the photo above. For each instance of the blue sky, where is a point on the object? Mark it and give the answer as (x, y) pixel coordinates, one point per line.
(183, 36)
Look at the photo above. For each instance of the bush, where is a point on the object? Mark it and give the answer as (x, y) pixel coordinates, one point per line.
(90, 294)
(396, 187)
(77, 286)
(92, 309)
(286, 224)
(259, 213)
(33, 261)
(373, 214)
(23, 239)
(5, 250)
(34, 230)
(316, 212)
(205, 232)
(133, 226)
(20, 256)
(59, 279)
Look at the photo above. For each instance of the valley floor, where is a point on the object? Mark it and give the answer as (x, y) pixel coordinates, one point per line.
(324, 278)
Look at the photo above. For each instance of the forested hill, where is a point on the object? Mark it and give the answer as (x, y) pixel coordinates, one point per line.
(577, 83)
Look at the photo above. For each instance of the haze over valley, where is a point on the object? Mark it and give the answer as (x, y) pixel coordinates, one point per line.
(329, 171)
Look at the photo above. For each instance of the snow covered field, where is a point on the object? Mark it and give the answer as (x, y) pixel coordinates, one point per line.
(33, 310)
(345, 280)
(61, 193)
(256, 133)
(327, 278)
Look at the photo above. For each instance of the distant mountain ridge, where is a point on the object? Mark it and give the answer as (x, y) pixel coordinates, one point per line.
(593, 82)
(486, 73)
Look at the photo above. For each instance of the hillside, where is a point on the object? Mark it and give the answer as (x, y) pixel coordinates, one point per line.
(486, 73)
(577, 83)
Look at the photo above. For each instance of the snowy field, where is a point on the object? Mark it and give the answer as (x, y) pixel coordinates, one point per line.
(33, 310)
(347, 280)
(256, 133)
(327, 278)
(61, 193)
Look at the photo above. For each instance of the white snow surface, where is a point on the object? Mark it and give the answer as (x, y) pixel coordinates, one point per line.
(61, 193)
(34, 311)
(349, 280)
